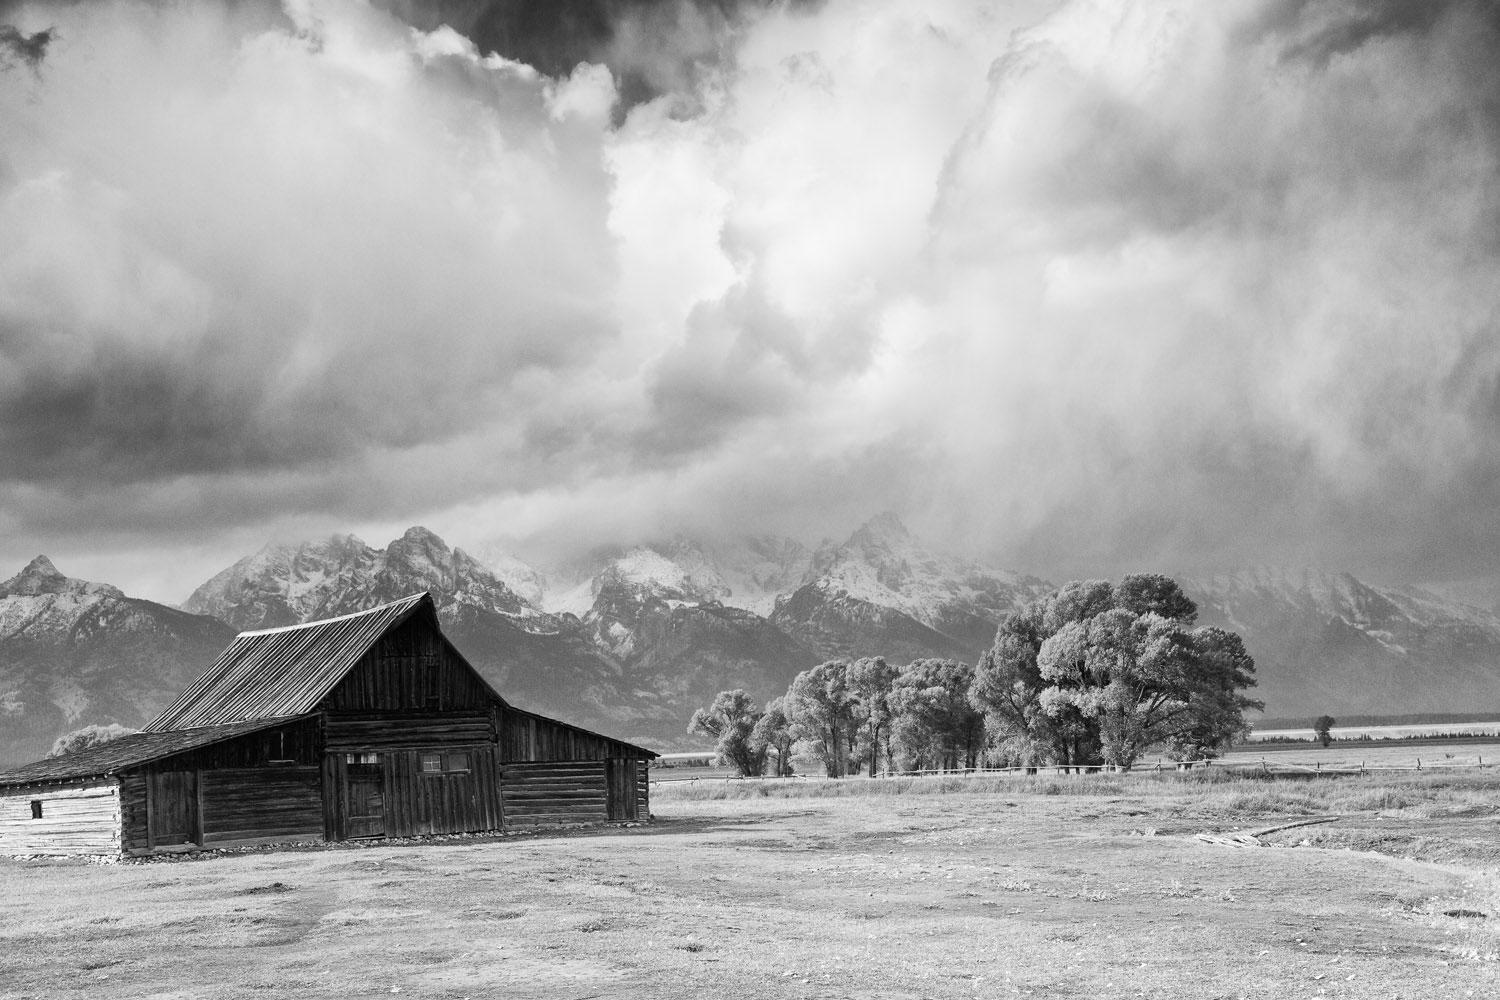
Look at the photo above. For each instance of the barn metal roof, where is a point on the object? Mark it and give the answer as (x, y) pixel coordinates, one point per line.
(283, 671)
(128, 751)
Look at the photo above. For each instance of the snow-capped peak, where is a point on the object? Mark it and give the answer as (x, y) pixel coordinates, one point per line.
(525, 580)
(882, 563)
(41, 577)
(289, 584)
(681, 573)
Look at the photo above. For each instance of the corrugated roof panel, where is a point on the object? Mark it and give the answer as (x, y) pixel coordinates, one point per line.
(284, 671)
(128, 751)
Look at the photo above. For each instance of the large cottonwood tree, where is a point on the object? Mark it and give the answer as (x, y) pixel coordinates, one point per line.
(1096, 673)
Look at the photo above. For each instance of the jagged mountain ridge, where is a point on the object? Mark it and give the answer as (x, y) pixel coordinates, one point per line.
(290, 584)
(74, 653)
(1330, 643)
(881, 590)
(748, 572)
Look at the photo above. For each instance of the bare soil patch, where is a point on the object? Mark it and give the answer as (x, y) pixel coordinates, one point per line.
(1059, 888)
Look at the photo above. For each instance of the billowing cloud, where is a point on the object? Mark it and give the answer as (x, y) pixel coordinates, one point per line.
(1083, 286)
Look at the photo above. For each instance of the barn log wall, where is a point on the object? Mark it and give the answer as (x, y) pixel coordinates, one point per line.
(352, 732)
(260, 787)
(294, 742)
(241, 805)
(527, 737)
(643, 791)
(76, 819)
(555, 792)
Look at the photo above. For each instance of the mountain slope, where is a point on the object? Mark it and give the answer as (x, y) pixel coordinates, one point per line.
(882, 593)
(662, 618)
(1329, 643)
(289, 584)
(74, 653)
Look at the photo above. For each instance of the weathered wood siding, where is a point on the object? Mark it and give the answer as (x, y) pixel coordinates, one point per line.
(411, 667)
(133, 838)
(263, 786)
(542, 794)
(172, 808)
(446, 802)
(414, 802)
(262, 803)
(352, 732)
(294, 742)
(643, 791)
(76, 819)
(620, 781)
(527, 737)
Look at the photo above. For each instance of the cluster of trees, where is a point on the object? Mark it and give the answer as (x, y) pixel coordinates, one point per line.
(860, 715)
(1093, 673)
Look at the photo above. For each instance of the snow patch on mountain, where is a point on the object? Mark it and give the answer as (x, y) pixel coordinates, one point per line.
(757, 569)
(289, 584)
(40, 600)
(524, 580)
(882, 563)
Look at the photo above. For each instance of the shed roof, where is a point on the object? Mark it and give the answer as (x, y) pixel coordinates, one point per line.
(283, 671)
(128, 751)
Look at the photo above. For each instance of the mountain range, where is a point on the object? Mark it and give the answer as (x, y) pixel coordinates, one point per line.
(72, 653)
(630, 640)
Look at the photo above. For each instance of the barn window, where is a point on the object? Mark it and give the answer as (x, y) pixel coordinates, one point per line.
(432, 763)
(432, 685)
(456, 762)
(36, 808)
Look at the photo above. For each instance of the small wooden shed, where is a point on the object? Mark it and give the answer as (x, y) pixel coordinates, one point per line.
(369, 725)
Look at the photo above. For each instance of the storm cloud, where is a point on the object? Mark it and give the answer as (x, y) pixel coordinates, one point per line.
(1078, 287)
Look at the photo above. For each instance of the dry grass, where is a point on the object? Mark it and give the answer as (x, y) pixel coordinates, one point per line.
(1058, 887)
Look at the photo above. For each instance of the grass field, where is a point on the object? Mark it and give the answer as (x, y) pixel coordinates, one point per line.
(978, 887)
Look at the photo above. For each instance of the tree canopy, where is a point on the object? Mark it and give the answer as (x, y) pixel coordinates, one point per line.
(732, 718)
(1096, 673)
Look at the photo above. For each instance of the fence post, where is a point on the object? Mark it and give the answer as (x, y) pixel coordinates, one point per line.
(1419, 763)
(1361, 767)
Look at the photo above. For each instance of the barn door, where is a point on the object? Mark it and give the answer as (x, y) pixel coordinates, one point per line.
(172, 808)
(619, 780)
(364, 798)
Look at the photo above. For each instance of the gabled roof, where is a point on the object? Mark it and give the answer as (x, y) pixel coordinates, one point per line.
(128, 751)
(283, 671)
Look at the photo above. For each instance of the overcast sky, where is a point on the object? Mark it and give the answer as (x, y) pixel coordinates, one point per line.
(1077, 288)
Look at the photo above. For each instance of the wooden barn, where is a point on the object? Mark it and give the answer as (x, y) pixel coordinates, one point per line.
(370, 725)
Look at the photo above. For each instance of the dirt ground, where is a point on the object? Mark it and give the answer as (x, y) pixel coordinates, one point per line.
(1045, 889)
